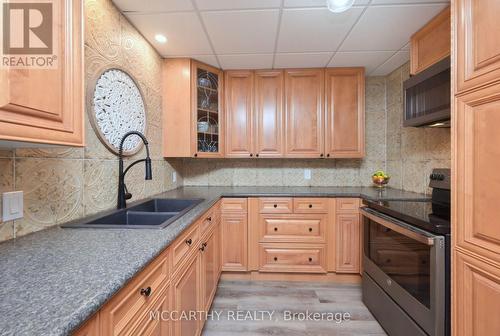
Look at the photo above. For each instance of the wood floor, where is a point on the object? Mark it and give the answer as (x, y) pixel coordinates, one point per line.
(255, 301)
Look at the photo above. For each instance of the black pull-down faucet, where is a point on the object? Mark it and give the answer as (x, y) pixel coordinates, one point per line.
(123, 194)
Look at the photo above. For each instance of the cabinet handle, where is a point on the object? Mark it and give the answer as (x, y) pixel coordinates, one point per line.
(257, 155)
(310, 229)
(321, 155)
(310, 259)
(209, 218)
(275, 258)
(276, 205)
(310, 206)
(275, 229)
(195, 154)
(189, 241)
(251, 154)
(202, 248)
(327, 155)
(146, 291)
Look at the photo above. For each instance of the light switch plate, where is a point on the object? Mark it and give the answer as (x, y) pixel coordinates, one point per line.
(12, 205)
(174, 177)
(307, 174)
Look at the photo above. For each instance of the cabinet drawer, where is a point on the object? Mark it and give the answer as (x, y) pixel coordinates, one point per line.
(185, 244)
(302, 258)
(122, 314)
(276, 205)
(207, 221)
(232, 205)
(347, 205)
(292, 228)
(310, 205)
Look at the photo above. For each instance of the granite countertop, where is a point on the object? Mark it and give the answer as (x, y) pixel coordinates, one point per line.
(51, 281)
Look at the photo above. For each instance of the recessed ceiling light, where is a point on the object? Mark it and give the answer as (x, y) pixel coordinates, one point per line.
(161, 38)
(339, 6)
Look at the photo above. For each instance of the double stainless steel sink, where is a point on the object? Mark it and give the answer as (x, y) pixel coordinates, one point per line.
(153, 214)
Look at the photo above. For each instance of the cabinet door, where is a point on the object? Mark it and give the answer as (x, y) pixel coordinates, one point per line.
(46, 105)
(234, 242)
(477, 50)
(210, 268)
(348, 243)
(345, 113)
(208, 122)
(186, 296)
(269, 130)
(304, 113)
(477, 180)
(476, 297)
(239, 114)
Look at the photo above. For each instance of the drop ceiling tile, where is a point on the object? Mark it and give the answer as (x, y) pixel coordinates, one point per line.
(183, 30)
(236, 4)
(385, 2)
(389, 27)
(242, 31)
(368, 59)
(246, 61)
(208, 59)
(153, 5)
(302, 60)
(400, 58)
(314, 29)
(316, 3)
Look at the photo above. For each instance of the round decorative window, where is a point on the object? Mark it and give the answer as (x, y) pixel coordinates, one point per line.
(118, 108)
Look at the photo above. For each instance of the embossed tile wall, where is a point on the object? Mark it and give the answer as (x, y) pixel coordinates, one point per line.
(277, 172)
(412, 153)
(62, 184)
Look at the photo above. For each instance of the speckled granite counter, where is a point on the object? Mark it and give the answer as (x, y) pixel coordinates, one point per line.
(53, 280)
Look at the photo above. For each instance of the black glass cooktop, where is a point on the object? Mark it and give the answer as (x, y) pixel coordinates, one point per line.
(427, 215)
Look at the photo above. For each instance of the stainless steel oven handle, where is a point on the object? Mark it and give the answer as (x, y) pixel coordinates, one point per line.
(399, 229)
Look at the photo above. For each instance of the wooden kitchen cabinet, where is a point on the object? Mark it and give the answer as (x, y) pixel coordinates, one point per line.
(46, 106)
(186, 295)
(209, 267)
(345, 113)
(268, 114)
(90, 328)
(234, 234)
(304, 92)
(193, 113)
(477, 51)
(431, 43)
(347, 236)
(239, 88)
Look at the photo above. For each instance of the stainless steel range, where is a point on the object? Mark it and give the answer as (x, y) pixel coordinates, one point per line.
(406, 262)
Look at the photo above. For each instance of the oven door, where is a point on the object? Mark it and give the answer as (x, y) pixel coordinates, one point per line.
(409, 265)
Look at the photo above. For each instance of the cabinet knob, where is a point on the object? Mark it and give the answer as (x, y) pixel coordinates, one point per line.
(276, 205)
(321, 155)
(275, 229)
(310, 229)
(310, 206)
(275, 258)
(189, 241)
(327, 155)
(202, 248)
(195, 154)
(251, 154)
(257, 155)
(209, 218)
(310, 259)
(146, 291)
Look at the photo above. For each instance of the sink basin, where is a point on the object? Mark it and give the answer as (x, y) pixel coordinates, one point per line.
(155, 213)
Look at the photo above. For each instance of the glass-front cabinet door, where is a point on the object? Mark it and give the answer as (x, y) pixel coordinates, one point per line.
(207, 114)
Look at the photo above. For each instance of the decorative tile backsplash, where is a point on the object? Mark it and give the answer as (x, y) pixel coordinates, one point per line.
(62, 184)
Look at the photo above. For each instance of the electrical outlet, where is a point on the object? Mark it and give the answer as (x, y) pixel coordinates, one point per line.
(12, 205)
(307, 174)
(174, 177)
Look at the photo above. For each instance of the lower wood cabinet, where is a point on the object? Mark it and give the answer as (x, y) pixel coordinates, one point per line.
(186, 295)
(298, 258)
(234, 234)
(348, 237)
(210, 267)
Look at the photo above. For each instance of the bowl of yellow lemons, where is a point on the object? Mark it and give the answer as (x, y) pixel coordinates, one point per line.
(380, 178)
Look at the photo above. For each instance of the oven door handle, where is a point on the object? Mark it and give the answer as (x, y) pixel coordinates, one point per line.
(397, 228)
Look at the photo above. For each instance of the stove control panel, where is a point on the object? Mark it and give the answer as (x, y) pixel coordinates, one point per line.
(440, 178)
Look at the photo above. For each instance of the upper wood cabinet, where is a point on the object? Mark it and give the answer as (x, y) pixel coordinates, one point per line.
(268, 110)
(345, 113)
(192, 109)
(304, 90)
(477, 51)
(431, 43)
(239, 113)
(47, 105)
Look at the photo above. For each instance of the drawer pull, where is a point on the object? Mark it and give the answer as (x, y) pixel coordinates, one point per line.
(275, 258)
(310, 229)
(310, 206)
(276, 205)
(146, 291)
(275, 229)
(202, 248)
(189, 242)
(209, 219)
(310, 259)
